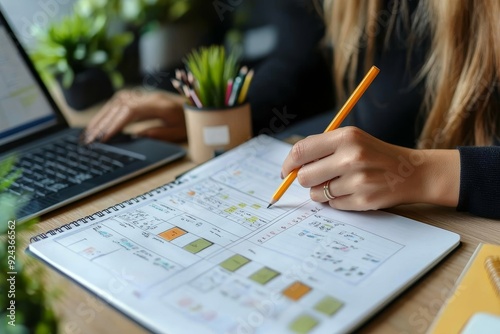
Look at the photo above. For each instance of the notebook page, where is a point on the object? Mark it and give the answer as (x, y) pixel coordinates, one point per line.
(207, 256)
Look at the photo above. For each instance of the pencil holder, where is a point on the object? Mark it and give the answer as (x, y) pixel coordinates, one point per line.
(213, 130)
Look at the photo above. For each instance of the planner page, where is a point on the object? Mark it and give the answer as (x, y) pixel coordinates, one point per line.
(206, 255)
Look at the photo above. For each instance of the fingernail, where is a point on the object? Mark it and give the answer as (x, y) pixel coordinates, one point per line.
(281, 175)
(100, 136)
(83, 137)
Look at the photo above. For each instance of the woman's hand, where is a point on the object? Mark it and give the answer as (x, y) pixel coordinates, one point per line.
(364, 173)
(128, 106)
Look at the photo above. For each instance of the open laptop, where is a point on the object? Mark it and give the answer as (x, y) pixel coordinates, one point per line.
(57, 169)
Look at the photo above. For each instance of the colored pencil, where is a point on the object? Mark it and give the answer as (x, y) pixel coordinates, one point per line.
(177, 85)
(244, 89)
(228, 91)
(238, 82)
(195, 98)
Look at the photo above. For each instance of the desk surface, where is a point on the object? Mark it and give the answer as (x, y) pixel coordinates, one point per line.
(412, 312)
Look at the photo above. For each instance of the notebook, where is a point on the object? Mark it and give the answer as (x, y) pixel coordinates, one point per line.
(473, 294)
(203, 254)
(57, 169)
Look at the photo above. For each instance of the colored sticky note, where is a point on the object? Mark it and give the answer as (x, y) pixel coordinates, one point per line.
(172, 233)
(264, 275)
(231, 209)
(197, 245)
(328, 305)
(234, 263)
(296, 290)
(303, 324)
(252, 219)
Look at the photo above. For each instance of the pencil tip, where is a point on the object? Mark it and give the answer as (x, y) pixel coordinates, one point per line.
(269, 205)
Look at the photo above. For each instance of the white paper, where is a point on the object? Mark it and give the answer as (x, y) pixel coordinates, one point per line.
(207, 256)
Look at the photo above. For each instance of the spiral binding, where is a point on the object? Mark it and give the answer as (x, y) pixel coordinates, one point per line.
(107, 211)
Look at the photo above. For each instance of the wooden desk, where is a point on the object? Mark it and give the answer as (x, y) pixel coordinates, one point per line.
(412, 312)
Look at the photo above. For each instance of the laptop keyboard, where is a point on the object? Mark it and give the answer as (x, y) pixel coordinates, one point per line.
(61, 164)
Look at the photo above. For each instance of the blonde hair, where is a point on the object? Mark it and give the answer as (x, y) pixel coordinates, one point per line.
(461, 70)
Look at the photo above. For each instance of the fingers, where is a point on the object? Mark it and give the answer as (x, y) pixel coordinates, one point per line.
(129, 106)
(118, 117)
(313, 148)
(305, 151)
(319, 171)
(114, 115)
(337, 187)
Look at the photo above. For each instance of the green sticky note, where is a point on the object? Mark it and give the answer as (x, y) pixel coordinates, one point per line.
(197, 245)
(303, 324)
(328, 305)
(234, 263)
(264, 275)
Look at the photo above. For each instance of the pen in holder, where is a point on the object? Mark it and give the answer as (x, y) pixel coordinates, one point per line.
(218, 116)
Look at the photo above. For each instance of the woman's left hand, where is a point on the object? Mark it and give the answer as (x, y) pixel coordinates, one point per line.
(365, 173)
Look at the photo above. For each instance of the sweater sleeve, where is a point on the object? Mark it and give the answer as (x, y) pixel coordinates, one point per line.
(480, 181)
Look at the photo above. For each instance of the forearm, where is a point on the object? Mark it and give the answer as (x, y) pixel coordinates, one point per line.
(436, 177)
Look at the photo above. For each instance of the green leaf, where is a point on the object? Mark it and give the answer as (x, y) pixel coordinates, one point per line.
(7, 210)
(98, 57)
(68, 78)
(212, 67)
(6, 166)
(78, 42)
(116, 79)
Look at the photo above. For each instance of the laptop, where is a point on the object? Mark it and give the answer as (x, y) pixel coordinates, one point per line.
(56, 168)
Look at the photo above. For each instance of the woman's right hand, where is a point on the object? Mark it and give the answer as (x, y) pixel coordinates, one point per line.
(128, 106)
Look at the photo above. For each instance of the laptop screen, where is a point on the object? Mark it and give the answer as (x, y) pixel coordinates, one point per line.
(24, 109)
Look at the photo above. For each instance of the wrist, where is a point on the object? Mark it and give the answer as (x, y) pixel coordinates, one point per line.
(438, 176)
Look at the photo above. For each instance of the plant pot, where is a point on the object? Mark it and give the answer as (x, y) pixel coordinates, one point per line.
(88, 88)
(163, 47)
(211, 131)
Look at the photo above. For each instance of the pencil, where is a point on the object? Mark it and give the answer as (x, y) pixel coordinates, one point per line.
(228, 91)
(237, 83)
(190, 79)
(187, 94)
(178, 75)
(244, 89)
(195, 98)
(335, 123)
(177, 85)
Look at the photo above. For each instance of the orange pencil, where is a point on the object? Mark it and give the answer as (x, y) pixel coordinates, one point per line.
(335, 123)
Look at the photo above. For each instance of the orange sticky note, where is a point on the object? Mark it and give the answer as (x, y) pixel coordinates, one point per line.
(296, 290)
(171, 234)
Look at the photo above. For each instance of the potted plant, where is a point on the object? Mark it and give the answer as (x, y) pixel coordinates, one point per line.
(217, 113)
(25, 303)
(82, 56)
(122, 16)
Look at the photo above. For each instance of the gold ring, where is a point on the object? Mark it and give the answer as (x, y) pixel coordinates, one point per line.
(326, 190)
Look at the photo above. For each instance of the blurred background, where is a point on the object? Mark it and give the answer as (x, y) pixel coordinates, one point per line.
(91, 48)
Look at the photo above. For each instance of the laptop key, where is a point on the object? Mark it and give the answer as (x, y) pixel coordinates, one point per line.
(57, 186)
(27, 188)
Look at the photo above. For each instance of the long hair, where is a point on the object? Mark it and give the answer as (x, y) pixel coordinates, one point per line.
(461, 71)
